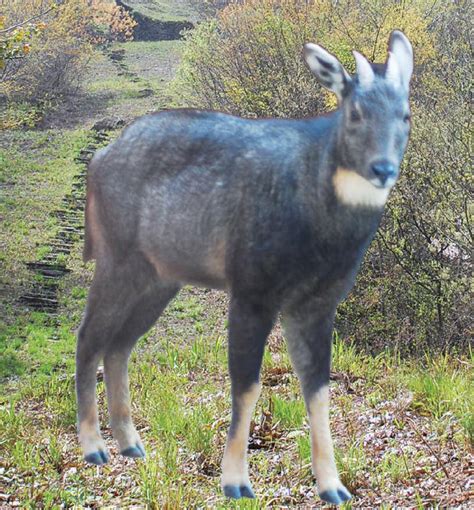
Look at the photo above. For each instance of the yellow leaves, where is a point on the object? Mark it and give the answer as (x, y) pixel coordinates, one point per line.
(112, 22)
(411, 21)
(249, 61)
(330, 100)
(78, 23)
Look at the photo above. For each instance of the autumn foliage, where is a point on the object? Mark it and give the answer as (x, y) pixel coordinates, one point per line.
(45, 45)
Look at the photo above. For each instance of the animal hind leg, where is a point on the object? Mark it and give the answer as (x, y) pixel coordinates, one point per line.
(249, 327)
(309, 337)
(114, 292)
(101, 320)
(142, 316)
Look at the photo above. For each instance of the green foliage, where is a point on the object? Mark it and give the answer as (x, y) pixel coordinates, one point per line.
(413, 291)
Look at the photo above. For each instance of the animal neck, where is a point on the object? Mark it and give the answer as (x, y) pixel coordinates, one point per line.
(337, 182)
(344, 208)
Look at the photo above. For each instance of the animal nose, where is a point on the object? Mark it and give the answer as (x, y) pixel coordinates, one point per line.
(384, 170)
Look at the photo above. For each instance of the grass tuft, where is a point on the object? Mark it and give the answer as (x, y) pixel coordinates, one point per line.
(442, 388)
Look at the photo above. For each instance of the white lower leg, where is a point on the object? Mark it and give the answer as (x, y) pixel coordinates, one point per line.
(118, 397)
(234, 463)
(89, 433)
(322, 452)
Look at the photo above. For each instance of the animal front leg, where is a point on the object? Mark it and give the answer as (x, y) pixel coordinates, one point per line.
(248, 330)
(235, 477)
(322, 451)
(309, 338)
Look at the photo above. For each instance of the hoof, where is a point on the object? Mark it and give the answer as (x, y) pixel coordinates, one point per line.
(236, 492)
(246, 492)
(336, 496)
(136, 452)
(98, 458)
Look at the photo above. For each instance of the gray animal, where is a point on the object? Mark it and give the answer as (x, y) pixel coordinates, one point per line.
(279, 213)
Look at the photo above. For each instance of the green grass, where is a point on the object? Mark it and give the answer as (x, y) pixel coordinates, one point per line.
(122, 89)
(183, 414)
(164, 10)
(352, 464)
(39, 167)
(290, 412)
(443, 388)
(395, 467)
(136, 50)
(441, 384)
(33, 343)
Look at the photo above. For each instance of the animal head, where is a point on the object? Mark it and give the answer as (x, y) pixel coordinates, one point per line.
(375, 109)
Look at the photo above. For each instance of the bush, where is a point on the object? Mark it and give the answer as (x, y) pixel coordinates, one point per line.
(44, 58)
(416, 283)
(248, 61)
(413, 290)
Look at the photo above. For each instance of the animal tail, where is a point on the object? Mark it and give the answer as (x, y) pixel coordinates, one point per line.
(92, 230)
(88, 251)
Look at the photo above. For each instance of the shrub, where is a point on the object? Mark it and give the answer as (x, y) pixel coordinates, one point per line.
(248, 61)
(44, 58)
(416, 281)
(413, 289)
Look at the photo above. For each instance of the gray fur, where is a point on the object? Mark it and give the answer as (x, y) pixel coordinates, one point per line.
(250, 206)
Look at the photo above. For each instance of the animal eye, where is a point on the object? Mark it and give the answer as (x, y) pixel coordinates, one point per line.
(407, 118)
(355, 116)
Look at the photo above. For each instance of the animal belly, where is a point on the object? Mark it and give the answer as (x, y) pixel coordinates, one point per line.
(204, 267)
(185, 235)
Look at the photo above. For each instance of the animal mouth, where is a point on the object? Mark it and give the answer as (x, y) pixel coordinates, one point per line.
(382, 185)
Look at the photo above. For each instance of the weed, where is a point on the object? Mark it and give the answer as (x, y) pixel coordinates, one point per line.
(394, 467)
(289, 412)
(352, 463)
(443, 387)
(304, 448)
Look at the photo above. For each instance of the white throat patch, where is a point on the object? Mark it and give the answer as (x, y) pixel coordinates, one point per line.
(352, 189)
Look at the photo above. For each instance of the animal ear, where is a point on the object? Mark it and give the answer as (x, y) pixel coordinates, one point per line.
(400, 59)
(327, 69)
(365, 73)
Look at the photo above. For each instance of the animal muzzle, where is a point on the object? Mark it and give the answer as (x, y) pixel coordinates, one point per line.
(383, 173)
